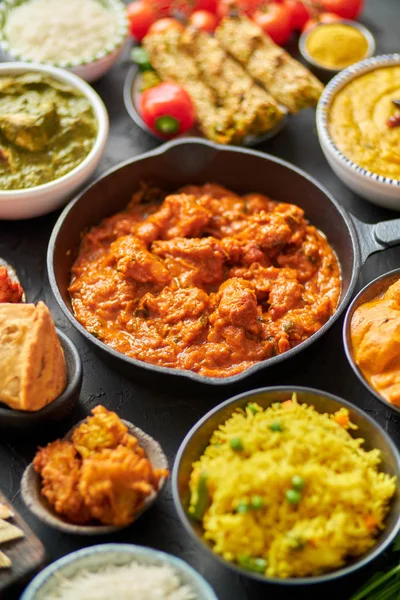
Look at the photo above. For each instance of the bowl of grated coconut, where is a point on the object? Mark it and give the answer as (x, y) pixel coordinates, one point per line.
(122, 571)
(84, 36)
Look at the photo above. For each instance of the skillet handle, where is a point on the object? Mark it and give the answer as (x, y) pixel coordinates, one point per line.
(375, 237)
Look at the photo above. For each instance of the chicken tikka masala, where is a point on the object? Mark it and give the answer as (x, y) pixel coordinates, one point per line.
(204, 280)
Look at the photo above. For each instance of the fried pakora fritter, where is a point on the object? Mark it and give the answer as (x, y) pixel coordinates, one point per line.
(59, 466)
(115, 484)
(101, 473)
(103, 430)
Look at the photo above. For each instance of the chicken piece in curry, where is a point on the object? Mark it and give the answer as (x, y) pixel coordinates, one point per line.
(204, 280)
(375, 339)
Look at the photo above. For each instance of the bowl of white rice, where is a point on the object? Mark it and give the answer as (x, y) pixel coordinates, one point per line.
(122, 571)
(83, 36)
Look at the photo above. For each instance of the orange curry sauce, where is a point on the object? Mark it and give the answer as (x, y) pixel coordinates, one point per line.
(375, 339)
(204, 280)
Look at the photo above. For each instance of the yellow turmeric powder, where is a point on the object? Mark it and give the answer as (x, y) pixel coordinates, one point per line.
(336, 45)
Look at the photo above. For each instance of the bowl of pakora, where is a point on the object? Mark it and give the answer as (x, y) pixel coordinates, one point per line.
(99, 478)
(371, 338)
(358, 118)
(54, 128)
(290, 486)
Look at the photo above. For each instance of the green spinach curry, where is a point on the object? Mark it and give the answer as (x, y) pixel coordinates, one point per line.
(46, 129)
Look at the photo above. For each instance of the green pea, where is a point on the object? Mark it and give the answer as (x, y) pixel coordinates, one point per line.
(293, 496)
(236, 444)
(298, 482)
(276, 426)
(243, 507)
(252, 408)
(276, 405)
(256, 502)
(258, 565)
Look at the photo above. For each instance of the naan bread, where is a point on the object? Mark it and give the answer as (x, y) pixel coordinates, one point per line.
(9, 532)
(5, 512)
(5, 562)
(32, 363)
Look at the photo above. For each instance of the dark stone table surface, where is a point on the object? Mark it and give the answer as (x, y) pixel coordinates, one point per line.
(167, 411)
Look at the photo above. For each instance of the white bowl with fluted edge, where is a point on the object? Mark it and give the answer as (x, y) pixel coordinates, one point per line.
(90, 69)
(378, 189)
(42, 199)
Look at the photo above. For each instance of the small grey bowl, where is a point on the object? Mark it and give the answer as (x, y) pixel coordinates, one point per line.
(56, 411)
(373, 289)
(94, 558)
(325, 72)
(31, 484)
(199, 436)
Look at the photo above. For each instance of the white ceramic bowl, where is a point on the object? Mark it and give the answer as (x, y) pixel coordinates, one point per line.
(42, 199)
(95, 558)
(90, 70)
(375, 188)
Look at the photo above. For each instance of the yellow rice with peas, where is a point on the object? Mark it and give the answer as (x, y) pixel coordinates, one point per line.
(288, 492)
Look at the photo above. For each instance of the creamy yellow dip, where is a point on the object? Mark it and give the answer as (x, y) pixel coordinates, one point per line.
(358, 120)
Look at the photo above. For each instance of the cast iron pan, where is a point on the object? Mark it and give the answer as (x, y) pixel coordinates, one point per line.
(199, 161)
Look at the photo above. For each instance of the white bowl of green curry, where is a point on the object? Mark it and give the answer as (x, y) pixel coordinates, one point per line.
(53, 131)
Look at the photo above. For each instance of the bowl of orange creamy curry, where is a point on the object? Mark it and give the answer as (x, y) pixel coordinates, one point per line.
(358, 122)
(372, 337)
(204, 279)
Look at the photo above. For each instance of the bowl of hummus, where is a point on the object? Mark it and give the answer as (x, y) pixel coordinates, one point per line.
(358, 123)
(53, 131)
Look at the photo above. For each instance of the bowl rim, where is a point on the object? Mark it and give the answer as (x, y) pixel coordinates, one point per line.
(99, 111)
(187, 374)
(120, 37)
(74, 381)
(132, 549)
(347, 341)
(294, 581)
(334, 86)
(354, 24)
(57, 521)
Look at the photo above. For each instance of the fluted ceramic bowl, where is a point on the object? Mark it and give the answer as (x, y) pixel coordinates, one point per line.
(89, 69)
(380, 190)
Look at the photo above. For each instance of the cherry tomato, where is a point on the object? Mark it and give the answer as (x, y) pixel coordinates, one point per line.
(203, 20)
(322, 18)
(162, 25)
(140, 16)
(299, 13)
(275, 20)
(167, 109)
(162, 8)
(346, 9)
(209, 5)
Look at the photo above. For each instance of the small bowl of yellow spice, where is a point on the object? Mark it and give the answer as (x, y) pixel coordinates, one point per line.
(331, 47)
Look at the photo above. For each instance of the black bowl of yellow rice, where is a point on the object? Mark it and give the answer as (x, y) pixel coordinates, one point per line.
(289, 485)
